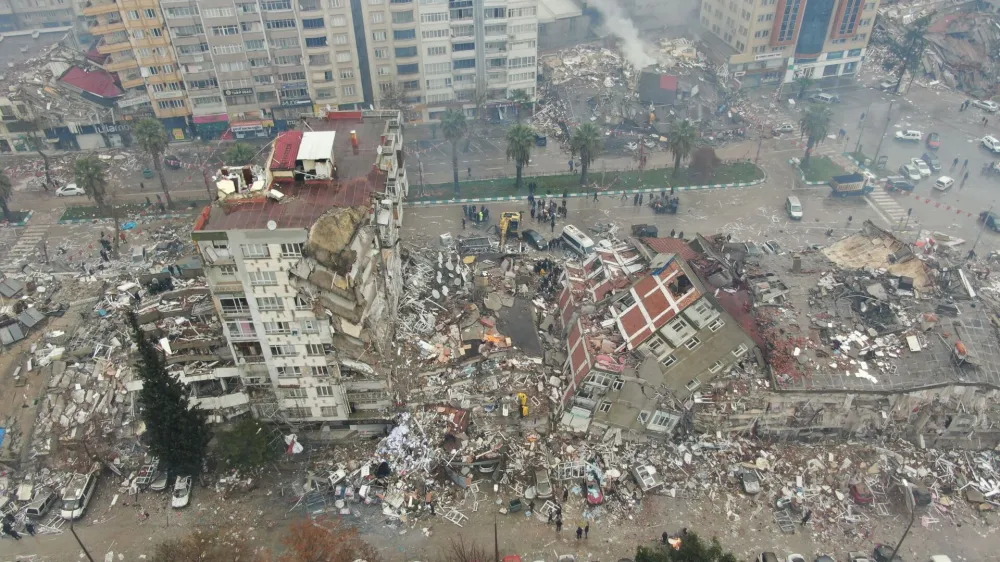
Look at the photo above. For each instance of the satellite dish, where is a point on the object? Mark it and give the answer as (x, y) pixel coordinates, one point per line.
(271, 225)
(378, 150)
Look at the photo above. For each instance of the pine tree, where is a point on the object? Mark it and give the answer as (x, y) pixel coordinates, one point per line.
(176, 433)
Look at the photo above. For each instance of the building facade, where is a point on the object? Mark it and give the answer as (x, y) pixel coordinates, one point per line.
(777, 41)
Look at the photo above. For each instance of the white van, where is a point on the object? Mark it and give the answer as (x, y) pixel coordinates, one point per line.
(76, 495)
(943, 183)
(577, 240)
(992, 144)
(824, 98)
(793, 207)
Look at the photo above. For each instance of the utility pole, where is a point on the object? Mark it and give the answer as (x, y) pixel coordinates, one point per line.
(888, 119)
(861, 130)
(913, 515)
(79, 542)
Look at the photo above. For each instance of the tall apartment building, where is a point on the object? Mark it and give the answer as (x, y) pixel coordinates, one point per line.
(28, 15)
(777, 41)
(308, 287)
(134, 37)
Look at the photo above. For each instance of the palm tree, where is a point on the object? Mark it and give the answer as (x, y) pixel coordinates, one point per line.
(6, 192)
(240, 154)
(152, 138)
(454, 127)
(520, 140)
(88, 173)
(519, 98)
(803, 83)
(682, 138)
(815, 124)
(586, 144)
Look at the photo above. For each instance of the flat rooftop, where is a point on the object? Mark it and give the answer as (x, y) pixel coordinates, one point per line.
(305, 202)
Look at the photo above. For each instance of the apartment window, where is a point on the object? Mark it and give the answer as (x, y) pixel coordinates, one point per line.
(283, 350)
(288, 60)
(432, 51)
(466, 63)
(678, 325)
(854, 53)
(375, 2)
(291, 77)
(382, 53)
(404, 34)
(235, 66)
(662, 420)
(324, 391)
(496, 29)
(227, 270)
(255, 45)
(312, 23)
(340, 39)
(289, 372)
(520, 62)
(269, 303)
(349, 90)
(132, 15)
(403, 69)
(297, 412)
(346, 74)
(241, 329)
(192, 49)
(237, 305)
(206, 100)
(338, 21)
(225, 30)
(344, 56)
(265, 79)
(524, 28)
(762, 33)
(218, 12)
(693, 384)
(259, 62)
(437, 68)
(521, 12)
(438, 98)
(310, 327)
(292, 393)
(324, 94)
(183, 12)
(260, 278)
(302, 304)
(438, 83)
(384, 70)
(656, 345)
(435, 34)
(436, 16)
(463, 47)
(605, 405)
(296, 94)
(669, 361)
(716, 325)
(405, 52)
(312, 42)
(402, 17)
(277, 328)
(319, 59)
(379, 36)
(202, 84)
(266, 97)
(378, 17)
(716, 367)
(247, 8)
(227, 49)
(618, 384)
(741, 350)
(692, 343)
(276, 5)
(314, 349)
(280, 24)
(285, 43)
(250, 27)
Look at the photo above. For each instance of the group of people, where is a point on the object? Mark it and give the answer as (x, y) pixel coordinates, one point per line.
(478, 215)
(106, 245)
(8, 527)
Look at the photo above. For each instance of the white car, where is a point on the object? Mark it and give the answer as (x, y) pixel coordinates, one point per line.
(914, 136)
(921, 166)
(182, 492)
(796, 558)
(943, 183)
(991, 144)
(69, 190)
(784, 128)
(909, 172)
(987, 105)
(632, 145)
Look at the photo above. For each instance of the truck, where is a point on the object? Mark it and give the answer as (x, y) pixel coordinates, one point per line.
(850, 185)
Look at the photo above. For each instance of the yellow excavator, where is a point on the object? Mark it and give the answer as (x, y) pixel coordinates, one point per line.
(510, 224)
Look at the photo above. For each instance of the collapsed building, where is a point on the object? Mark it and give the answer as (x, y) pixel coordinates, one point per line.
(303, 267)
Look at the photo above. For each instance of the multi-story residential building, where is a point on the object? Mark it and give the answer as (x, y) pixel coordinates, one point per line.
(777, 41)
(28, 15)
(308, 288)
(134, 37)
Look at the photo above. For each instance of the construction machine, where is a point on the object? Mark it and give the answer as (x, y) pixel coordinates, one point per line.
(510, 224)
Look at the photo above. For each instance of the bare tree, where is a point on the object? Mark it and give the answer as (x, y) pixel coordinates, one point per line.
(461, 551)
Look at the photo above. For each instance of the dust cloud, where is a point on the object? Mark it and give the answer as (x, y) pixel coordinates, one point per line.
(618, 24)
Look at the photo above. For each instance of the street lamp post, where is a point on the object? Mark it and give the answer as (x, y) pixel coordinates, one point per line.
(79, 542)
(888, 119)
(972, 251)
(913, 516)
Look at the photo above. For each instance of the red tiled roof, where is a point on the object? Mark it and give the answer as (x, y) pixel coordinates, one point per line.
(97, 82)
(671, 246)
(286, 147)
(655, 304)
(668, 83)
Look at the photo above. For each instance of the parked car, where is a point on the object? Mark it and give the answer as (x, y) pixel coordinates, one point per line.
(987, 105)
(921, 166)
(990, 220)
(932, 161)
(857, 557)
(632, 145)
(909, 135)
(182, 492)
(69, 190)
(861, 494)
(784, 128)
(536, 240)
(992, 144)
(899, 182)
(750, 481)
(795, 558)
(820, 97)
(767, 557)
(543, 486)
(825, 558)
(41, 505)
(882, 553)
(887, 85)
(159, 482)
(77, 494)
(943, 183)
(933, 141)
(909, 172)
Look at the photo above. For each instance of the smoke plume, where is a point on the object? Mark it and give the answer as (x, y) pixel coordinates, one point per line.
(618, 24)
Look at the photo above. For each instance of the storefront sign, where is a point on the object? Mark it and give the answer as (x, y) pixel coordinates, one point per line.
(247, 126)
(238, 92)
(132, 102)
(769, 56)
(119, 128)
(293, 85)
(296, 102)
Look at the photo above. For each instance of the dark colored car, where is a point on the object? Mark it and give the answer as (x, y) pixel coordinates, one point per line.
(898, 183)
(535, 239)
(882, 553)
(933, 141)
(932, 161)
(990, 220)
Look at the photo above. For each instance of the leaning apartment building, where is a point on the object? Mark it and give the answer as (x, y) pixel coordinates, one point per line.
(253, 67)
(304, 269)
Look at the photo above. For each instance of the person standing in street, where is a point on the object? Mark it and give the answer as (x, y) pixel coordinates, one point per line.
(579, 532)
(595, 195)
(586, 531)
(29, 527)
(559, 525)
(565, 495)
(807, 516)
(8, 530)
(571, 165)
(553, 223)
(463, 219)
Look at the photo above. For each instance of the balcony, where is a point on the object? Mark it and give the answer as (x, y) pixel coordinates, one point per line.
(228, 288)
(100, 7)
(164, 77)
(114, 43)
(250, 360)
(243, 336)
(132, 81)
(121, 62)
(105, 28)
(229, 312)
(137, 4)
(151, 41)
